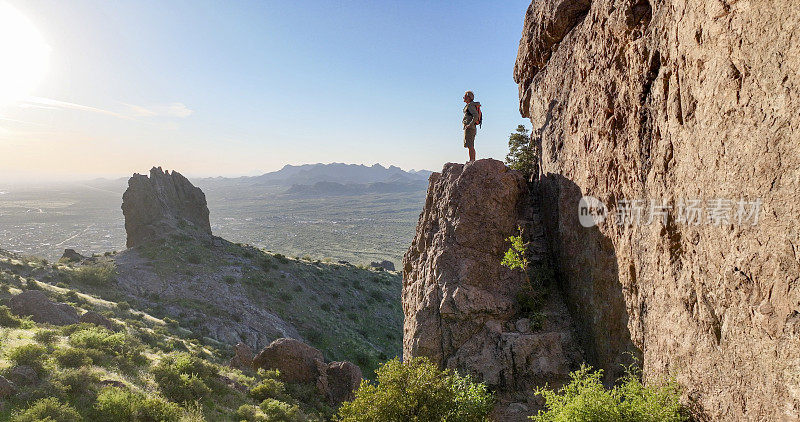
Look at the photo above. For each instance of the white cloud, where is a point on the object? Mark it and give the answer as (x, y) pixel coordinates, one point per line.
(175, 110)
(178, 110)
(49, 103)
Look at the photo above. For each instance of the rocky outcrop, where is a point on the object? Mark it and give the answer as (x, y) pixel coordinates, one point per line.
(460, 304)
(298, 362)
(670, 102)
(34, 303)
(386, 265)
(164, 203)
(70, 255)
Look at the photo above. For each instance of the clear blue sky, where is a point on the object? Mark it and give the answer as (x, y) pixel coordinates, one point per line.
(232, 88)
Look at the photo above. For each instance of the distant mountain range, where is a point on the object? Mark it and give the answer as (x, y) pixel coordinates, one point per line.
(311, 179)
(310, 174)
(333, 179)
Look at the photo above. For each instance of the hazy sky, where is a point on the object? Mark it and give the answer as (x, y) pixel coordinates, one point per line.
(237, 87)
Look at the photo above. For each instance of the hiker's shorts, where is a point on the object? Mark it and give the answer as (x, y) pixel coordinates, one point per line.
(469, 137)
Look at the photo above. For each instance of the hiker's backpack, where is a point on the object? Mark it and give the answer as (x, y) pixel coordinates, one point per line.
(479, 119)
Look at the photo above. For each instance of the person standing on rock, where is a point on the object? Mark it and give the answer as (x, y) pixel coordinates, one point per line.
(472, 118)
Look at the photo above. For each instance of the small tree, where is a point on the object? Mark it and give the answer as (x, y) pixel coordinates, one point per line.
(521, 154)
(516, 256)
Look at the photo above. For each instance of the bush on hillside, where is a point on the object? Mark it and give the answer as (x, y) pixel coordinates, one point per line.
(104, 346)
(585, 399)
(75, 382)
(28, 354)
(418, 390)
(95, 275)
(119, 404)
(7, 319)
(49, 409)
(185, 378)
(278, 411)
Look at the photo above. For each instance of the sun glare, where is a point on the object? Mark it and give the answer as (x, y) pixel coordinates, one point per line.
(24, 55)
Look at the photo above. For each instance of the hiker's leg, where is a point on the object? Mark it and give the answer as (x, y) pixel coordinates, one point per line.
(471, 154)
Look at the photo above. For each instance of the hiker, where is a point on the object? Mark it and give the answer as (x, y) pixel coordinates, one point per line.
(472, 118)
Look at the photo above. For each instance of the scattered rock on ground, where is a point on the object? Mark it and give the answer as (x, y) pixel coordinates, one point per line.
(23, 375)
(7, 388)
(386, 265)
(242, 356)
(294, 359)
(34, 303)
(70, 255)
(343, 380)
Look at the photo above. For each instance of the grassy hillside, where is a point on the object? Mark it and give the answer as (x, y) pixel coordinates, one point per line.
(222, 293)
(151, 369)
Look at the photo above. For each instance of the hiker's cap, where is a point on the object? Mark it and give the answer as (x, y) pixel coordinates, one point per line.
(470, 94)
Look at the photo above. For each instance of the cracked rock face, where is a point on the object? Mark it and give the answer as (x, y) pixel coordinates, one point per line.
(670, 101)
(163, 204)
(460, 304)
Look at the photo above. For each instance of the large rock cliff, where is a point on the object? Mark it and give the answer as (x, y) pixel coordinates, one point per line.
(163, 204)
(668, 102)
(461, 306)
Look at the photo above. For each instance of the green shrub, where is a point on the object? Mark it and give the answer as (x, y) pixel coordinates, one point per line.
(28, 354)
(185, 378)
(49, 409)
(103, 346)
(585, 399)
(268, 389)
(123, 306)
(248, 412)
(46, 336)
(278, 411)
(70, 357)
(75, 382)
(229, 279)
(95, 275)
(7, 319)
(417, 390)
(118, 404)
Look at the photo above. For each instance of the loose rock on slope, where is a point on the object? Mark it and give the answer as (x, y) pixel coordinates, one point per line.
(34, 303)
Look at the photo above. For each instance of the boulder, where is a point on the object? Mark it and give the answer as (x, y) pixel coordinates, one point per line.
(23, 375)
(34, 303)
(344, 378)
(163, 204)
(93, 317)
(386, 265)
(71, 256)
(242, 357)
(7, 388)
(295, 360)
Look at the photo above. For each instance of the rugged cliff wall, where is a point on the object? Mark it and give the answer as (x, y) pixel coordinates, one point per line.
(163, 204)
(667, 102)
(460, 305)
